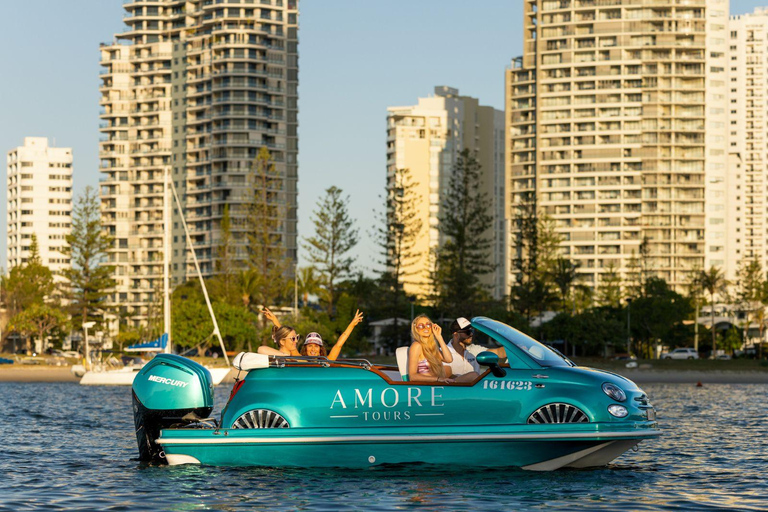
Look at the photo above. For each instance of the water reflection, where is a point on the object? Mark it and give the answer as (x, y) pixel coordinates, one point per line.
(68, 447)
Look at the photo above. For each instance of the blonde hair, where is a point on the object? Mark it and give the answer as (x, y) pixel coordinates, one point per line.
(280, 333)
(428, 347)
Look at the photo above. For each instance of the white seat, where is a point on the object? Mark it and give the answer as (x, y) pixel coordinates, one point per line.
(247, 361)
(402, 361)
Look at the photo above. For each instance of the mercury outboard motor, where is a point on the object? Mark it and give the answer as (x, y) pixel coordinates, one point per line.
(169, 391)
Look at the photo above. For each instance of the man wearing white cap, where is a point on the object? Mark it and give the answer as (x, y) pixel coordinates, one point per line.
(464, 352)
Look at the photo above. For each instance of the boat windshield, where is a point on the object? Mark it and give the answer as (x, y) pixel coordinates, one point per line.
(542, 354)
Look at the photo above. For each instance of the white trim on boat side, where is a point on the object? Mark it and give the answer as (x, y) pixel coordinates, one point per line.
(178, 458)
(553, 464)
(637, 434)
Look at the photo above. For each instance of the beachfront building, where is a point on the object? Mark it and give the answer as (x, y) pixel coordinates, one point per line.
(746, 229)
(39, 203)
(195, 89)
(426, 139)
(617, 118)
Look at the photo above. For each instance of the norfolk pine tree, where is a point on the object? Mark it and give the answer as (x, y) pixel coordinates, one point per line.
(334, 237)
(465, 254)
(90, 279)
(266, 246)
(400, 228)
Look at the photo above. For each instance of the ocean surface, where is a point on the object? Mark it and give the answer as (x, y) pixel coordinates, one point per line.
(71, 447)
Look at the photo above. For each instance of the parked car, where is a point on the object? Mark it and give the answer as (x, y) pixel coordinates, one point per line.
(681, 353)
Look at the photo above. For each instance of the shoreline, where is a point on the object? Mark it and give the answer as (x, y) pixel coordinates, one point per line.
(63, 374)
(24, 374)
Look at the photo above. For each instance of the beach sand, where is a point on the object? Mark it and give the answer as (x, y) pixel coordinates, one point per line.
(20, 373)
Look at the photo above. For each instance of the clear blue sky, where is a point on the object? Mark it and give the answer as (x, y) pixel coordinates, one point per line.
(356, 57)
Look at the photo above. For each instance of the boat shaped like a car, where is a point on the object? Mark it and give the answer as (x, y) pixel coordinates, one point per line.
(537, 411)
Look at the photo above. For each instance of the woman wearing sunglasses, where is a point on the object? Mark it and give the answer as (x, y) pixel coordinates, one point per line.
(286, 339)
(428, 352)
(313, 345)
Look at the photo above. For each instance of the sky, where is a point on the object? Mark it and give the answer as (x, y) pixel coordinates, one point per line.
(356, 58)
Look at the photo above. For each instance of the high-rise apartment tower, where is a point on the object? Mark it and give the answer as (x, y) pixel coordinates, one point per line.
(39, 203)
(745, 233)
(195, 88)
(617, 130)
(426, 139)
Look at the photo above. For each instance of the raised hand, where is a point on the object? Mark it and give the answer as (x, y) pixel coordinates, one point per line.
(437, 330)
(270, 316)
(357, 319)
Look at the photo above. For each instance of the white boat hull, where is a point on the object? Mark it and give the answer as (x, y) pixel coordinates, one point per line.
(125, 376)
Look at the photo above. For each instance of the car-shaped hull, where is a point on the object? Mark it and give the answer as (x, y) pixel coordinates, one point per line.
(539, 413)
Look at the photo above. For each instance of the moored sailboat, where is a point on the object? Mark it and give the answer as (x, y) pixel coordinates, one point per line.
(102, 376)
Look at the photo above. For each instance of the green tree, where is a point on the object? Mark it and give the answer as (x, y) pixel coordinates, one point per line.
(400, 228)
(28, 283)
(564, 276)
(750, 289)
(38, 319)
(192, 325)
(309, 284)
(609, 292)
(89, 275)
(465, 253)
(590, 332)
(535, 248)
(226, 264)
(266, 218)
(656, 313)
(639, 270)
(334, 237)
(712, 281)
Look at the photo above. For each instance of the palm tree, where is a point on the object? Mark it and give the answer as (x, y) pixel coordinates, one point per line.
(248, 282)
(564, 275)
(712, 281)
(310, 283)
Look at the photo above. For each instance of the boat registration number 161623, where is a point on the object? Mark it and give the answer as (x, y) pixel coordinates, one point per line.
(520, 385)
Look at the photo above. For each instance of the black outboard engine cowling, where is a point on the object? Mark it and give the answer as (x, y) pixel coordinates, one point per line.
(169, 391)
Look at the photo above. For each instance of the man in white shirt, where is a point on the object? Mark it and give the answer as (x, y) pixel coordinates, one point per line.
(464, 352)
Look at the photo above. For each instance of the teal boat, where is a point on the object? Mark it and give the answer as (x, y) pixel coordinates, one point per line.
(537, 410)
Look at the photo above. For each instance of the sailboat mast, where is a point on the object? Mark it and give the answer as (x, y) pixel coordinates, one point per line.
(216, 331)
(167, 202)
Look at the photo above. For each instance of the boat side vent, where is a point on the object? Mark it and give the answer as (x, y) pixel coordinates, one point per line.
(558, 413)
(260, 418)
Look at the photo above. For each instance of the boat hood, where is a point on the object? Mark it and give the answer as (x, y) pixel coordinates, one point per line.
(588, 375)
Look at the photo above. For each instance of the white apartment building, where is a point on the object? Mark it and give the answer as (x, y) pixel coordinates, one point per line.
(745, 233)
(617, 120)
(196, 88)
(39, 203)
(426, 139)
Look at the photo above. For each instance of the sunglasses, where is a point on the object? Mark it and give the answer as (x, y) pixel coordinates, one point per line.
(423, 326)
(295, 339)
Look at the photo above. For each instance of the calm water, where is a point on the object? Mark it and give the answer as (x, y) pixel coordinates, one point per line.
(67, 447)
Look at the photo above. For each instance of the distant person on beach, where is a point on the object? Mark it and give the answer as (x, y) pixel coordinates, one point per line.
(313, 344)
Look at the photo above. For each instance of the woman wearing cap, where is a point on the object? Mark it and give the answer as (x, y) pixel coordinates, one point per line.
(428, 352)
(313, 345)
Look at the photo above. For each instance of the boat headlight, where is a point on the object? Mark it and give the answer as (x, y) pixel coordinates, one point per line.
(618, 410)
(614, 392)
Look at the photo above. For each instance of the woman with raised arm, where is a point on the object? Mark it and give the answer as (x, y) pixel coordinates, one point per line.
(313, 345)
(428, 352)
(285, 338)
